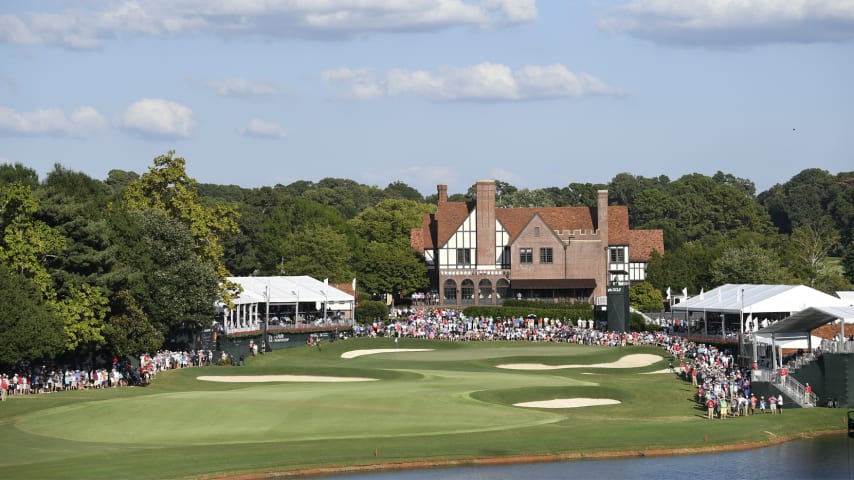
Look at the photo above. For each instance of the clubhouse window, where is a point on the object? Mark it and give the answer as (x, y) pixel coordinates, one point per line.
(546, 255)
(526, 255)
(463, 256)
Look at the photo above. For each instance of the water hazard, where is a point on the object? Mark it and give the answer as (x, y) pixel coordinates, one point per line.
(825, 458)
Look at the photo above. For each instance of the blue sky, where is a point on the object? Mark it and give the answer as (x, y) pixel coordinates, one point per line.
(534, 93)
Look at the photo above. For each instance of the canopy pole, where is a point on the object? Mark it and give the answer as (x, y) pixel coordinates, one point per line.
(705, 323)
(774, 351)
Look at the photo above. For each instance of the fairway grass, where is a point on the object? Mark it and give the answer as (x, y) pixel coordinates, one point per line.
(429, 402)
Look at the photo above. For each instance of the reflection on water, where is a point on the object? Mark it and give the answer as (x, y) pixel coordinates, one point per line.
(827, 458)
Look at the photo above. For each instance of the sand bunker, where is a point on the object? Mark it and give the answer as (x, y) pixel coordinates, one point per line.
(281, 378)
(629, 361)
(359, 353)
(568, 403)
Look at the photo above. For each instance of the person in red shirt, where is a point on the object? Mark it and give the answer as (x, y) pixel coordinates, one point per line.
(807, 392)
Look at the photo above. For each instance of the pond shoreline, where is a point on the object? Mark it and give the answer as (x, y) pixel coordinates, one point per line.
(522, 459)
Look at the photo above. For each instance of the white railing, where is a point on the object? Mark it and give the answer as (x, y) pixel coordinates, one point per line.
(794, 389)
(831, 346)
(298, 325)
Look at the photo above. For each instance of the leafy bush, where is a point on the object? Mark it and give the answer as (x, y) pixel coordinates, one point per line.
(368, 310)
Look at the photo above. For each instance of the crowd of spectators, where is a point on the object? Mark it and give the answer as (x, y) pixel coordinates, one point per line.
(447, 324)
(42, 379)
(722, 387)
(29, 379)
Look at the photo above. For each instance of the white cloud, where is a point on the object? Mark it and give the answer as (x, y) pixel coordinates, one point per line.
(733, 23)
(260, 128)
(295, 18)
(483, 82)
(160, 118)
(360, 82)
(83, 121)
(225, 87)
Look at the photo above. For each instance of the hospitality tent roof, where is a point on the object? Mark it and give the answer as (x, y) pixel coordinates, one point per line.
(808, 320)
(284, 290)
(794, 331)
(847, 296)
(756, 299)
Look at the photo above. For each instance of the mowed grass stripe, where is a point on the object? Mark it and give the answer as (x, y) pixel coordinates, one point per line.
(439, 403)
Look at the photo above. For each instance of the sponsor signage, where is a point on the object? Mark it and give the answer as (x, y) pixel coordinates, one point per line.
(278, 338)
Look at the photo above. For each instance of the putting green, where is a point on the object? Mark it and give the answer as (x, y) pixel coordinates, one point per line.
(439, 403)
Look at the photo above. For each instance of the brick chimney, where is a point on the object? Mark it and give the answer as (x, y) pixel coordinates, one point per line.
(602, 215)
(602, 226)
(442, 192)
(486, 223)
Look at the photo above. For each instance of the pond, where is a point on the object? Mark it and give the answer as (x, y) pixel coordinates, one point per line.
(827, 458)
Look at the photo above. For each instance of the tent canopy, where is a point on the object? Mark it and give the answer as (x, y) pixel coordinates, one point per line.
(808, 320)
(289, 290)
(786, 342)
(847, 296)
(756, 299)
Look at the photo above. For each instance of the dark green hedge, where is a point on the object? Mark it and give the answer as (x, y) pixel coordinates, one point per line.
(368, 310)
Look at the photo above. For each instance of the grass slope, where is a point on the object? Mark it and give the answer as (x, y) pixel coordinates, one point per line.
(448, 403)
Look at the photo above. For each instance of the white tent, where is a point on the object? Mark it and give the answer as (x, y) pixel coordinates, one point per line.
(299, 295)
(793, 343)
(758, 299)
(795, 331)
(288, 290)
(847, 297)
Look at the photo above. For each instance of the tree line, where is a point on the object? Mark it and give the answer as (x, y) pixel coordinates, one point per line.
(136, 262)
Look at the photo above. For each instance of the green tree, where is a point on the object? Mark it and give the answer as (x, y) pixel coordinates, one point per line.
(168, 188)
(281, 224)
(157, 265)
(847, 264)
(83, 312)
(646, 298)
(529, 198)
(624, 187)
(128, 331)
(319, 252)
(390, 221)
(748, 264)
(801, 201)
(28, 328)
(77, 206)
(705, 208)
(583, 194)
(688, 266)
(401, 191)
(391, 268)
(27, 243)
(18, 173)
(743, 185)
(346, 196)
(370, 310)
(809, 249)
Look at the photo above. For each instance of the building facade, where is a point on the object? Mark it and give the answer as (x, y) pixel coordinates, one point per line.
(478, 254)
